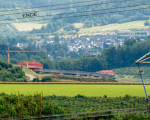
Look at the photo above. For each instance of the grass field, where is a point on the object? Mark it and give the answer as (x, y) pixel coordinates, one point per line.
(73, 90)
(27, 26)
(113, 27)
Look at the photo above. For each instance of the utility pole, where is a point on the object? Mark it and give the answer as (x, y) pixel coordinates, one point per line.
(8, 53)
(144, 59)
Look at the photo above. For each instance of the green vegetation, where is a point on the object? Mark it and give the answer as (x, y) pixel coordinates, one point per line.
(9, 73)
(111, 58)
(35, 80)
(134, 25)
(131, 74)
(21, 106)
(17, 57)
(46, 79)
(81, 78)
(73, 90)
(26, 106)
(70, 24)
(80, 103)
(123, 56)
(96, 20)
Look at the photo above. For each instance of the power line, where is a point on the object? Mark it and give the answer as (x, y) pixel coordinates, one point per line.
(85, 11)
(50, 5)
(72, 7)
(76, 16)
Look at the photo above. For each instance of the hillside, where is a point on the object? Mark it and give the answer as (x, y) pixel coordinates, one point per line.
(131, 74)
(67, 9)
(134, 26)
(9, 73)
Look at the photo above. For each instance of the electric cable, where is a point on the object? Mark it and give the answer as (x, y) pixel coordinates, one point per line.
(70, 7)
(75, 16)
(50, 5)
(81, 12)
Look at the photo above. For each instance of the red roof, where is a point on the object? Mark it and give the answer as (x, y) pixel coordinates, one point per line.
(109, 72)
(31, 64)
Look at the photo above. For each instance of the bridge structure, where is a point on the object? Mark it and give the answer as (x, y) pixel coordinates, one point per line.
(77, 73)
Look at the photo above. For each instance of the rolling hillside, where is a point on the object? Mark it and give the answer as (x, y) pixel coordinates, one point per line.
(131, 74)
(89, 23)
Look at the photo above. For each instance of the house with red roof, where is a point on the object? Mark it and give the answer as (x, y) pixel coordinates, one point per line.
(35, 66)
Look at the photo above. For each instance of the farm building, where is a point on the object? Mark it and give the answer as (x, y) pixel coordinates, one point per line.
(108, 72)
(35, 66)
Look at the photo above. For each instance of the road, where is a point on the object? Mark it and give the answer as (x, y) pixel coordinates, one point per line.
(30, 76)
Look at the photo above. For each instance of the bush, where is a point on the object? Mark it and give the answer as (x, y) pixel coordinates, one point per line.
(35, 80)
(46, 79)
(80, 96)
(105, 96)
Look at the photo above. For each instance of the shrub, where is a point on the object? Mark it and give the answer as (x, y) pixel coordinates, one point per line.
(80, 96)
(105, 96)
(35, 80)
(46, 79)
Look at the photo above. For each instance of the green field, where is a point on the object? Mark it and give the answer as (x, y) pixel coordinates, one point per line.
(112, 27)
(73, 90)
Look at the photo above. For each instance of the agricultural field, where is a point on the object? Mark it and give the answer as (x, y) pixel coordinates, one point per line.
(27, 26)
(74, 89)
(112, 27)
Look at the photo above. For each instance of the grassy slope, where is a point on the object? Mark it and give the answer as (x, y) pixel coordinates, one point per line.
(135, 25)
(112, 27)
(130, 74)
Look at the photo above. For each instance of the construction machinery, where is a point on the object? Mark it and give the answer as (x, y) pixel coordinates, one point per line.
(9, 51)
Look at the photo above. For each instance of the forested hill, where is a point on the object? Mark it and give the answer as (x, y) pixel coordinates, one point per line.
(9, 73)
(110, 58)
(93, 7)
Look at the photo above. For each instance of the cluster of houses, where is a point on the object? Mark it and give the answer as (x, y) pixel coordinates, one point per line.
(75, 43)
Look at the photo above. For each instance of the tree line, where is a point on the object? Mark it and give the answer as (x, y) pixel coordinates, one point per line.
(122, 56)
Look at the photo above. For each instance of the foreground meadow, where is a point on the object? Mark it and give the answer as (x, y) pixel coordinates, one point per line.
(73, 90)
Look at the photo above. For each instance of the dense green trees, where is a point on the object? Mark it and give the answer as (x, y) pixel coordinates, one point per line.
(9, 73)
(17, 57)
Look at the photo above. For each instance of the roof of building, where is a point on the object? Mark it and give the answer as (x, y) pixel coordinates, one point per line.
(31, 64)
(109, 72)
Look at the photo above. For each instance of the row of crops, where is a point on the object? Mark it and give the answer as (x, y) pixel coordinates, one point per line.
(20, 106)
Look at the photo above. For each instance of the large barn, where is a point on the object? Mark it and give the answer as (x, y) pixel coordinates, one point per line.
(35, 66)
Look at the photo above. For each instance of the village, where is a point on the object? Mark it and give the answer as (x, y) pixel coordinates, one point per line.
(91, 44)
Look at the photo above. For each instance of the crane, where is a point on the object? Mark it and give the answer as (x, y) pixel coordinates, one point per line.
(144, 59)
(8, 53)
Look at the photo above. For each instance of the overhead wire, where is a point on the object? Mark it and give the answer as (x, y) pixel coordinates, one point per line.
(50, 5)
(71, 7)
(84, 12)
(73, 16)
